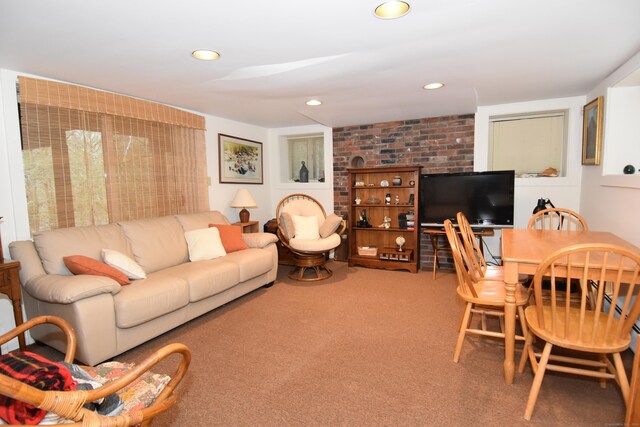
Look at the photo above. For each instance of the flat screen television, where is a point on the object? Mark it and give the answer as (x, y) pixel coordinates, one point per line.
(486, 198)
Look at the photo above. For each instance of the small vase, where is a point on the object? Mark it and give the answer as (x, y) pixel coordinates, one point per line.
(304, 173)
(397, 181)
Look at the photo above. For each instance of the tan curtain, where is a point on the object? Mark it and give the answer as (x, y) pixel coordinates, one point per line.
(93, 157)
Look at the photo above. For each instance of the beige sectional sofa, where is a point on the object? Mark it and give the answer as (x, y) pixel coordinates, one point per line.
(109, 318)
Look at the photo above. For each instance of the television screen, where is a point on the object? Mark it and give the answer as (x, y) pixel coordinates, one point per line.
(486, 198)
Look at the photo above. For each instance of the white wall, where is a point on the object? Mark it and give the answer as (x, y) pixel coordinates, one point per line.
(220, 195)
(321, 191)
(611, 202)
(562, 191)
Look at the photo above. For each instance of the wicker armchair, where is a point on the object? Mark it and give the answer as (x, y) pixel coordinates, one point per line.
(309, 254)
(69, 404)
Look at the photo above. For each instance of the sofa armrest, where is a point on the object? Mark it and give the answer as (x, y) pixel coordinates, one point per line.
(259, 240)
(54, 288)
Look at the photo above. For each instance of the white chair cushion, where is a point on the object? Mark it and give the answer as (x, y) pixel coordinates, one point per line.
(319, 245)
(306, 227)
(204, 243)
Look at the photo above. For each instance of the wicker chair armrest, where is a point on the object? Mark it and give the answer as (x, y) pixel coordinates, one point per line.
(66, 328)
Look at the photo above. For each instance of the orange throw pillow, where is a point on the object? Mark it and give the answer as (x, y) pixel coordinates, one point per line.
(231, 236)
(80, 264)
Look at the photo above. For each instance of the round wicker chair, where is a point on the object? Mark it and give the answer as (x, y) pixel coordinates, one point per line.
(309, 254)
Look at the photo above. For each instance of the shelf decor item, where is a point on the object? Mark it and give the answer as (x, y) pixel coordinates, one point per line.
(397, 181)
(400, 241)
(304, 173)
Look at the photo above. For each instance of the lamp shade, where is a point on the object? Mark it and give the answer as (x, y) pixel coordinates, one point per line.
(243, 199)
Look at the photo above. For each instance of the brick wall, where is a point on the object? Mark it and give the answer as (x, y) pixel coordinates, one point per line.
(438, 144)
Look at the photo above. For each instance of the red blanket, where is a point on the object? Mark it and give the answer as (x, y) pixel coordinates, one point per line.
(37, 372)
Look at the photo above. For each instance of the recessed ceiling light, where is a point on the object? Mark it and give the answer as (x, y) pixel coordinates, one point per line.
(205, 54)
(432, 86)
(392, 9)
(314, 102)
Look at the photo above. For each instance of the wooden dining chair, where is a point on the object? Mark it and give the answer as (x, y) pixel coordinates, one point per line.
(483, 296)
(557, 219)
(134, 385)
(475, 254)
(598, 332)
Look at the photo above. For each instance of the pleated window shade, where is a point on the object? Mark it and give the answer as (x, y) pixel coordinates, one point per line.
(93, 157)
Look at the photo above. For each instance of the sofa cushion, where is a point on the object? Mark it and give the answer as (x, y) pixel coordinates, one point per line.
(252, 262)
(150, 298)
(206, 278)
(80, 264)
(53, 245)
(201, 220)
(156, 243)
(123, 263)
(231, 236)
(204, 244)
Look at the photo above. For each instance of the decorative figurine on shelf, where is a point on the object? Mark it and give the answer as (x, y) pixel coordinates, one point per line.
(400, 241)
(362, 220)
(358, 200)
(386, 223)
(387, 199)
(304, 173)
(397, 200)
(411, 199)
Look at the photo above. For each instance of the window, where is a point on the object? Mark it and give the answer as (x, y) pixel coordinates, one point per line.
(310, 150)
(528, 144)
(91, 157)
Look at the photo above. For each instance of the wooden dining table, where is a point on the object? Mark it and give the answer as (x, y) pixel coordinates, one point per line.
(522, 251)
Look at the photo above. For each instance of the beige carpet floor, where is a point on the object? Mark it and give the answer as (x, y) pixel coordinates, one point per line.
(364, 348)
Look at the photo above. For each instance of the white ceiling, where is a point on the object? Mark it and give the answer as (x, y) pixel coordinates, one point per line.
(277, 54)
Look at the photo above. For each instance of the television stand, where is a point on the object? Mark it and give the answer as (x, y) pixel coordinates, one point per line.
(435, 233)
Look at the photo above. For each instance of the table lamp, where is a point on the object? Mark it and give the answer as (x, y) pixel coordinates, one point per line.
(244, 200)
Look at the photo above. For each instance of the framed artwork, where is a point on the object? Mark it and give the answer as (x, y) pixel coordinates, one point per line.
(592, 132)
(240, 160)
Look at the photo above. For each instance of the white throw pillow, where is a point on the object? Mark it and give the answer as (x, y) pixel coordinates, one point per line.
(121, 262)
(204, 243)
(306, 227)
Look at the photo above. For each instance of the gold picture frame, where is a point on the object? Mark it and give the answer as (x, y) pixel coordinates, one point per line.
(592, 132)
(240, 160)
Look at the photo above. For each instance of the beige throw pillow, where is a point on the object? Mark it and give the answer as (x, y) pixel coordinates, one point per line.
(306, 227)
(204, 243)
(330, 225)
(287, 225)
(123, 263)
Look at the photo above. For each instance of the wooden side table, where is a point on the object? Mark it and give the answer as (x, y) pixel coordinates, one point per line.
(435, 233)
(249, 226)
(10, 285)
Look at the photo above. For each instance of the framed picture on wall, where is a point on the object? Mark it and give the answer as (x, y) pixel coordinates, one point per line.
(240, 160)
(592, 132)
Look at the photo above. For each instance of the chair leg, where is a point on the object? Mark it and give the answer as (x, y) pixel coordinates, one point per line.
(528, 341)
(622, 376)
(537, 381)
(603, 381)
(463, 329)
